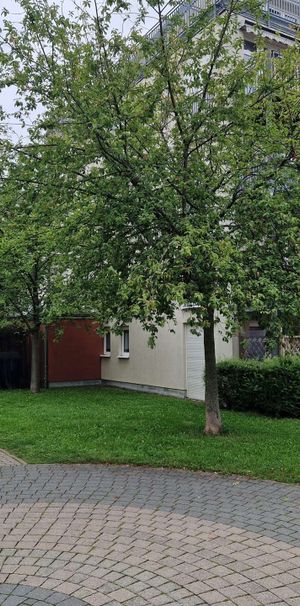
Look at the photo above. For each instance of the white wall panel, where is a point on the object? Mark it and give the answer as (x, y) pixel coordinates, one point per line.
(195, 365)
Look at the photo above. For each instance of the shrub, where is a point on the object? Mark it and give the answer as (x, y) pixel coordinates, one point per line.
(270, 387)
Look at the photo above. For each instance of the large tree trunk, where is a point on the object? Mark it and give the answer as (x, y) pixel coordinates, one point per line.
(213, 418)
(35, 380)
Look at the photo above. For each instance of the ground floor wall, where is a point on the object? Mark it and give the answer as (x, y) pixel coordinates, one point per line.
(175, 366)
(161, 367)
(74, 356)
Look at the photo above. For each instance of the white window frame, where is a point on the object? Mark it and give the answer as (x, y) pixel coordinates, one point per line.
(124, 353)
(106, 352)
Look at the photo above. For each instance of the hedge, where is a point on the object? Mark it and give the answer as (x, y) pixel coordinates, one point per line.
(270, 387)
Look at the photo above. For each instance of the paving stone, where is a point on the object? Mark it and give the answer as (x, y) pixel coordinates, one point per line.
(8, 459)
(20, 595)
(74, 535)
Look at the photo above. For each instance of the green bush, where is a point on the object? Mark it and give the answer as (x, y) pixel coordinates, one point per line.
(270, 387)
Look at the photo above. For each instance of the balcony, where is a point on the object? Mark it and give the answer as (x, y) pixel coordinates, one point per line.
(279, 15)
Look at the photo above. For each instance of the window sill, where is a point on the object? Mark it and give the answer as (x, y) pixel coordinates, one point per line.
(123, 357)
(106, 355)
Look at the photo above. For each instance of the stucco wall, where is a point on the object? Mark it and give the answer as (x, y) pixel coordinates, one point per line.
(223, 349)
(163, 366)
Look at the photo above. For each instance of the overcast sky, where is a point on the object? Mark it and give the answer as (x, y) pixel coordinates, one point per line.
(7, 96)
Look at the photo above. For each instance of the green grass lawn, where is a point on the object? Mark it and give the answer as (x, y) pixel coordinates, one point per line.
(109, 425)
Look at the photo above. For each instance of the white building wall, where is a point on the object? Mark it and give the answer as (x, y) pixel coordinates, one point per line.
(162, 367)
(224, 349)
(166, 367)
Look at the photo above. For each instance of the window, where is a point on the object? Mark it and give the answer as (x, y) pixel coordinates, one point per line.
(125, 343)
(107, 342)
(274, 56)
(249, 49)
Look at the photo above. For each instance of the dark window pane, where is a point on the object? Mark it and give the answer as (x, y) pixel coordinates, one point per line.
(249, 46)
(107, 341)
(126, 341)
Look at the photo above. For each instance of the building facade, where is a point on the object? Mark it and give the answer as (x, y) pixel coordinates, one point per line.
(175, 366)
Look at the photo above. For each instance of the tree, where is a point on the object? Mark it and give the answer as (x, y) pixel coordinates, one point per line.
(32, 274)
(188, 159)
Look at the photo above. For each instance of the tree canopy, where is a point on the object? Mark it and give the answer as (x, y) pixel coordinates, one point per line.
(33, 263)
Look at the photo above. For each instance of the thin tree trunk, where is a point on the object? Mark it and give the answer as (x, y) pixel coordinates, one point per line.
(213, 418)
(35, 381)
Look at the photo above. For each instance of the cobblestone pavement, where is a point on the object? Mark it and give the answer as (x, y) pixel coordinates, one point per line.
(76, 535)
(8, 459)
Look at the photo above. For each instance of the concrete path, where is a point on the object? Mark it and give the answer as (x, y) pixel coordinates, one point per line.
(76, 535)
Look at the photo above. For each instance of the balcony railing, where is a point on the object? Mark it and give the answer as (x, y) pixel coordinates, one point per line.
(286, 9)
(283, 15)
(187, 10)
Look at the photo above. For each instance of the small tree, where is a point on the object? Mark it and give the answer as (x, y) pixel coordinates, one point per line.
(188, 156)
(31, 267)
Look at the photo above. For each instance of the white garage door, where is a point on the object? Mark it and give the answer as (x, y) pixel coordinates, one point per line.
(195, 365)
